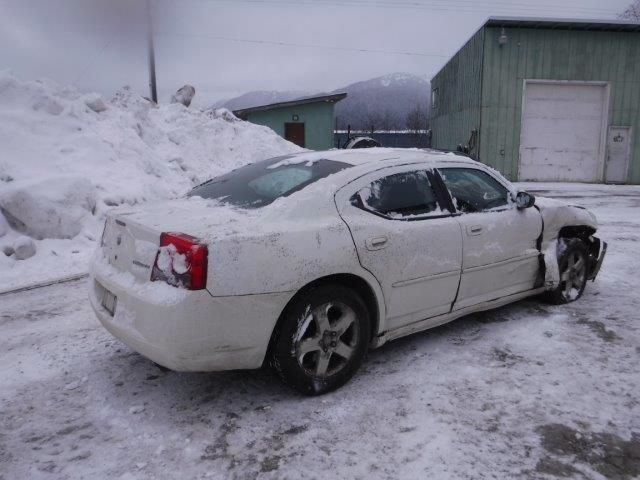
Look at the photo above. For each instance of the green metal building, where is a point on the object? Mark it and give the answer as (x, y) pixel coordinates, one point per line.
(547, 100)
(307, 122)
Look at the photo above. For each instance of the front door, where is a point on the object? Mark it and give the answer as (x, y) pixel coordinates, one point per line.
(294, 132)
(618, 152)
(406, 239)
(500, 255)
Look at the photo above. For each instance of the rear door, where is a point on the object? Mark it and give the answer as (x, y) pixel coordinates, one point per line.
(500, 256)
(406, 239)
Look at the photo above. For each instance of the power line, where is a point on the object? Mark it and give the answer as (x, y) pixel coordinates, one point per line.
(94, 57)
(306, 45)
(435, 5)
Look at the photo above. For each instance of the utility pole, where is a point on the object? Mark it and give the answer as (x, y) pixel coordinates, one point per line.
(152, 55)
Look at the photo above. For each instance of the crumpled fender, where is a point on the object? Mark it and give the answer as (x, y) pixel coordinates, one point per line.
(557, 215)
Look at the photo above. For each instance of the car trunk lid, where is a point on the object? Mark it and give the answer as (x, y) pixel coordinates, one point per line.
(132, 235)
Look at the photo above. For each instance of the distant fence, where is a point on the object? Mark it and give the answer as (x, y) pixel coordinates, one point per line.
(399, 139)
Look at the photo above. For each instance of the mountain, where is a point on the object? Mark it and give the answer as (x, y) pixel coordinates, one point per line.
(259, 97)
(384, 102)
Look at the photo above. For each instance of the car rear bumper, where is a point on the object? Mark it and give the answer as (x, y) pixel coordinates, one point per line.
(188, 330)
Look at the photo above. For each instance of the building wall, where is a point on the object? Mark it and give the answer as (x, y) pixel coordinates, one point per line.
(546, 54)
(317, 117)
(459, 88)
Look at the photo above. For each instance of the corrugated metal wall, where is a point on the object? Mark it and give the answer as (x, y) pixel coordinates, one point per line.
(553, 55)
(458, 84)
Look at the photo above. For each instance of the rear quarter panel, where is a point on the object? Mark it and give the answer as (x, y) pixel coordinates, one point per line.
(283, 257)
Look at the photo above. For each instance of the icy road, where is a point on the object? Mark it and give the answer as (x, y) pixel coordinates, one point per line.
(526, 391)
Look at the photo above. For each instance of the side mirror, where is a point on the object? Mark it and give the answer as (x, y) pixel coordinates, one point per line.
(525, 200)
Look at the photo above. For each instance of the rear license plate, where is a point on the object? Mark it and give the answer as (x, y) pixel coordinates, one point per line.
(109, 301)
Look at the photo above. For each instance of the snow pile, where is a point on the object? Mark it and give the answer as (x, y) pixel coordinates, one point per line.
(53, 207)
(23, 248)
(67, 157)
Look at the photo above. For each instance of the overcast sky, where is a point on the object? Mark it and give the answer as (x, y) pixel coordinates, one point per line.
(228, 47)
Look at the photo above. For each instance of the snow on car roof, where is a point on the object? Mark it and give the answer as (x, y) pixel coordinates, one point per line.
(366, 156)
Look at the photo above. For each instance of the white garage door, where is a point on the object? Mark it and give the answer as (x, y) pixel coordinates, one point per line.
(562, 132)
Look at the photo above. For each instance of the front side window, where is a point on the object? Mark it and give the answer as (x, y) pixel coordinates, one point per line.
(474, 190)
(261, 183)
(400, 196)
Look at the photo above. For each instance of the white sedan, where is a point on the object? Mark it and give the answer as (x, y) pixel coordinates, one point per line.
(307, 261)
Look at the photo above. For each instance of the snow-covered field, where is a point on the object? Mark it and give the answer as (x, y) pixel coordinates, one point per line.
(66, 157)
(525, 391)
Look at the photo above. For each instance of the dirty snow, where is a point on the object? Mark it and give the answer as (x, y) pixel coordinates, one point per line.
(527, 391)
(67, 157)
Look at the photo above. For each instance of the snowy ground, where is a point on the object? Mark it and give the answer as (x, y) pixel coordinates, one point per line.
(525, 391)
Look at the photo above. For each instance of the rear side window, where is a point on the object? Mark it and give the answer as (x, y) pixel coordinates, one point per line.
(474, 190)
(401, 195)
(259, 184)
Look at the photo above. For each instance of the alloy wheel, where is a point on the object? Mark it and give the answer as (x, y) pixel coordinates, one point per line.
(326, 339)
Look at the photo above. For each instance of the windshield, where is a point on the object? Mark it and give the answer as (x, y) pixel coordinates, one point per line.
(260, 183)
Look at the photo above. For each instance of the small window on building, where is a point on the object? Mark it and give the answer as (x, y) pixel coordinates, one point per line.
(434, 98)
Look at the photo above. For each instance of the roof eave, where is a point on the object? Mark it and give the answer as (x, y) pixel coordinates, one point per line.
(333, 98)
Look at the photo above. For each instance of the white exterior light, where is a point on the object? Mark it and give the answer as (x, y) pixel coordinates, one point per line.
(503, 39)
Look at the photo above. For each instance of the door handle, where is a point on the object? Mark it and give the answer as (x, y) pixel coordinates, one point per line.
(474, 229)
(376, 243)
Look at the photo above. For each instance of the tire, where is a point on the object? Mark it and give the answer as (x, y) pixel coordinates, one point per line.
(574, 266)
(321, 339)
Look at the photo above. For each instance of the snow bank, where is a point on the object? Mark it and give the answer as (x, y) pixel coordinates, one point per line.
(23, 248)
(53, 207)
(68, 156)
(4, 225)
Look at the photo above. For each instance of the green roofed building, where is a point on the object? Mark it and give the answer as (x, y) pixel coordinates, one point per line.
(307, 122)
(545, 99)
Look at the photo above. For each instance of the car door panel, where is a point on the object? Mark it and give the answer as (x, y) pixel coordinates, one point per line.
(417, 261)
(500, 260)
(500, 255)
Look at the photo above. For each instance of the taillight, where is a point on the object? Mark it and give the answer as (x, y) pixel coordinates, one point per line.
(181, 261)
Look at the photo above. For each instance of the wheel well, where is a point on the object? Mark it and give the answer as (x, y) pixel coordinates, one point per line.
(580, 231)
(584, 233)
(348, 280)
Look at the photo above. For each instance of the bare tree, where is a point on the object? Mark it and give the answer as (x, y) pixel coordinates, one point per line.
(370, 120)
(417, 119)
(632, 12)
(386, 120)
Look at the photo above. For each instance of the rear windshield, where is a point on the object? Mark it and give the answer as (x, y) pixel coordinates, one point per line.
(260, 183)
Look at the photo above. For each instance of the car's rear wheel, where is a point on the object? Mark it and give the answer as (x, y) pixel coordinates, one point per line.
(573, 265)
(321, 339)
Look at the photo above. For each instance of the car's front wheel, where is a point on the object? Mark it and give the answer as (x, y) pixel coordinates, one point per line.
(321, 339)
(573, 265)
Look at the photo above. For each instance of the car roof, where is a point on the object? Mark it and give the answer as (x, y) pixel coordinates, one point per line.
(380, 155)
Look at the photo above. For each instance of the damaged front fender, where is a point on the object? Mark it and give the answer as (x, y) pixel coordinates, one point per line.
(566, 221)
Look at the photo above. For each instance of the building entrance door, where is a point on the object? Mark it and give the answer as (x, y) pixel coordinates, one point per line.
(294, 132)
